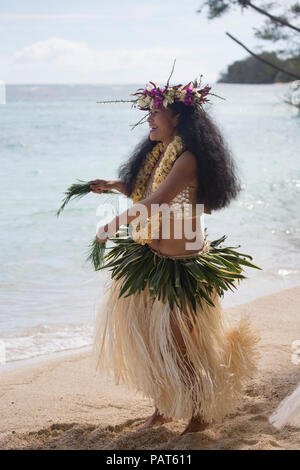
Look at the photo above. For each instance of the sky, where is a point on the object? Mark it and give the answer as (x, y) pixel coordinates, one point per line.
(120, 41)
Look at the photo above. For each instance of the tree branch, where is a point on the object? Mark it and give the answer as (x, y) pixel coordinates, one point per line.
(276, 19)
(263, 60)
(173, 67)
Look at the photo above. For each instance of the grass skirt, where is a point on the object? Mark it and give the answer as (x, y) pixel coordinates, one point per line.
(134, 340)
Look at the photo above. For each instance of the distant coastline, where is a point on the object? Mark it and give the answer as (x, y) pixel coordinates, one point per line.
(252, 71)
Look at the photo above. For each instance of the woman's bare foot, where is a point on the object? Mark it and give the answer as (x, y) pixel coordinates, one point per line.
(195, 424)
(156, 418)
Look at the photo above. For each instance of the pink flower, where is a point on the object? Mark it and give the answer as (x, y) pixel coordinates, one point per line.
(158, 100)
(189, 97)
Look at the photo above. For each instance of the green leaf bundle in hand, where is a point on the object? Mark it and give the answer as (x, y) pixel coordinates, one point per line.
(96, 255)
(97, 250)
(78, 190)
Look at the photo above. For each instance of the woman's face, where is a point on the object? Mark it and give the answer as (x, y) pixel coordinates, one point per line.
(162, 124)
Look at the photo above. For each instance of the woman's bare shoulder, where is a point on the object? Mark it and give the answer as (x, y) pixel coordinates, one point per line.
(187, 158)
(188, 162)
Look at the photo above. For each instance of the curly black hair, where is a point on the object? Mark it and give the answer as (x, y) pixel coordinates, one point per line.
(218, 182)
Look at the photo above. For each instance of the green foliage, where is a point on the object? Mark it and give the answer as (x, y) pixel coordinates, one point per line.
(183, 281)
(96, 254)
(281, 23)
(78, 190)
(251, 70)
(215, 8)
(295, 8)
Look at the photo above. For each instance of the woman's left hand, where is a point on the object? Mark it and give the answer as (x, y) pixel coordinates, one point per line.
(101, 235)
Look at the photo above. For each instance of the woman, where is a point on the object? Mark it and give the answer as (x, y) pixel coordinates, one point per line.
(185, 359)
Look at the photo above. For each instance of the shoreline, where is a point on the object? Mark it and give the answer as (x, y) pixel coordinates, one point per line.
(231, 300)
(43, 358)
(62, 403)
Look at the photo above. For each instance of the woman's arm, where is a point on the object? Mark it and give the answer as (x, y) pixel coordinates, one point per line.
(98, 186)
(120, 186)
(181, 174)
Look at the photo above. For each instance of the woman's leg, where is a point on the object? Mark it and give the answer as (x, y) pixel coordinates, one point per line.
(156, 418)
(196, 423)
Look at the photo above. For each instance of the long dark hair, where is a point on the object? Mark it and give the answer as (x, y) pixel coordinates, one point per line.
(217, 176)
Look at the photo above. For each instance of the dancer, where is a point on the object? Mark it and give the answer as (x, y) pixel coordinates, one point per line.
(160, 328)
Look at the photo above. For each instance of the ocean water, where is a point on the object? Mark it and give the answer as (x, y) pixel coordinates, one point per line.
(51, 135)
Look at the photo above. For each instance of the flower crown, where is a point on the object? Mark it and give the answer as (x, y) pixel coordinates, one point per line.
(152, 96)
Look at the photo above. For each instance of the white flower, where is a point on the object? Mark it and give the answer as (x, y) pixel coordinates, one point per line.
(145, 102)
(180, 94)
(170, 97)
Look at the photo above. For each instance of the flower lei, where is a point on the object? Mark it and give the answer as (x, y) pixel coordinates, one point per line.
(150, 226)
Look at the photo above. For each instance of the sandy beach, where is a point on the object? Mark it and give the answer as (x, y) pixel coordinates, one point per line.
(63, 404)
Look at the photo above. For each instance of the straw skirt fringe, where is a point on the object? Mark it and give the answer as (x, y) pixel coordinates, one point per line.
(133, 340)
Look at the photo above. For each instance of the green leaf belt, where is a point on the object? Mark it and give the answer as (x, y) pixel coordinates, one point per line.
(186, 281)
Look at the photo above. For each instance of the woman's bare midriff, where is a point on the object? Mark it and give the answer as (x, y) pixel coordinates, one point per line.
(175, 247)
(179, 246)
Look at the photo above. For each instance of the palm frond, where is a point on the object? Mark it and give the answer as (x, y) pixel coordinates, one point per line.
(78, 190)
(96, 254)
(181, 281)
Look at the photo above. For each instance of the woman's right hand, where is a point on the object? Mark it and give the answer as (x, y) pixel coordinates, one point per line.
(98, 186)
